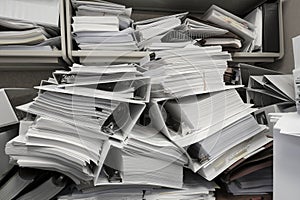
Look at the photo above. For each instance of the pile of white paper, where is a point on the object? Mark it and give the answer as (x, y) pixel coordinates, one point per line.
(35, 25)
(209, 127)
(103, 8)
(127, 124)
(97, 26)
(78, 112)
(194, 187)
(187, 71)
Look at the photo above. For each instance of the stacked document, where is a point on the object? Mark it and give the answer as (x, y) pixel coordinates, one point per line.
(18, 35)
(103, 8)
(159, 161)
(148, 158)
(209, 34)
(147, 130)
(28, 28)
(50, 146)
(194, 187)
(207, 127)
(77, 111)
(157, 27)
(187, 71)
(244, 149)
(240, 27)
(163, 33)
(103, 26)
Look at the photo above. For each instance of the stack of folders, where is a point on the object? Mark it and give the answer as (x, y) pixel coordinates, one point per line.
(252, 174)
(243, 33)
(103, 8)
(77, 111)
(187, 71)
(25, 29)
(177, 31)
(194, 187)
(210, 128)
(146, 159)
(100, 25)
(26, 184)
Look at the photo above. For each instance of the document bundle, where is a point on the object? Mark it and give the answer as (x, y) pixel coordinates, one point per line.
(240, 27)
(100, 25)
(35, 26)
(194, 187)
(187, 71)
(164, 127)
(77, 112)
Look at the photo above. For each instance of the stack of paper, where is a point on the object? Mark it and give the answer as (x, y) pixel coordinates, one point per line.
(148, 158)
(194, 187)
(29, 28)
(58, 148)
(196, 29)
(18, 35)
(103, 8)
(163, 33)
(207, 127)
(158, 26)
(97, 26)
(108, 193)
(77, 111)
(133, 128)
(187, 71)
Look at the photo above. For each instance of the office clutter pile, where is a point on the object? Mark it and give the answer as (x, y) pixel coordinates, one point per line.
(164, 127)
(27, 29)
(99, 25)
